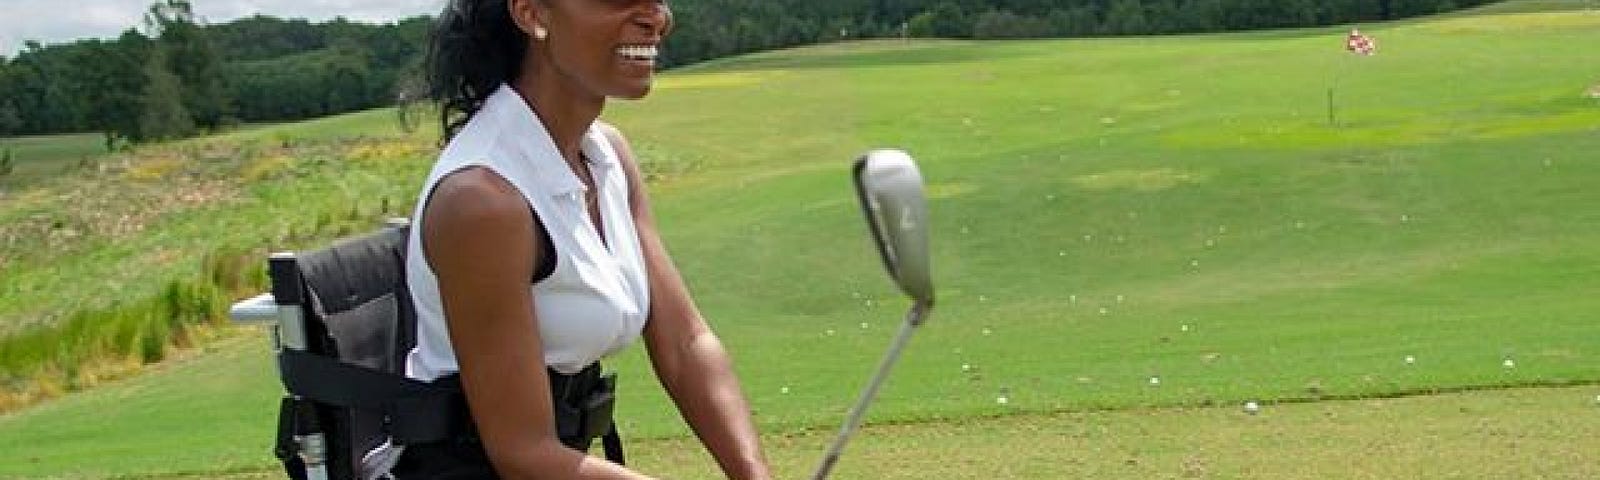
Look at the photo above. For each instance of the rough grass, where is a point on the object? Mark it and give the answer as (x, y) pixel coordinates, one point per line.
(1109, 212)
(92, 260)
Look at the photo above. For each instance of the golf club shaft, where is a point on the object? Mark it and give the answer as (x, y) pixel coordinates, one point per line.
(914, 319)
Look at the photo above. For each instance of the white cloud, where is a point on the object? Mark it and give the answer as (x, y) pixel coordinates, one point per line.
(43, 20)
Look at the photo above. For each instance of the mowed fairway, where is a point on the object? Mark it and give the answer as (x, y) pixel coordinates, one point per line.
(1133, 237)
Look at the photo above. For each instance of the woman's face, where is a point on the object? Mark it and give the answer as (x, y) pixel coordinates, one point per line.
(609, 47)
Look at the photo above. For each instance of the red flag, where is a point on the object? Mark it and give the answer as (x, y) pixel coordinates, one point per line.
(1360, 44)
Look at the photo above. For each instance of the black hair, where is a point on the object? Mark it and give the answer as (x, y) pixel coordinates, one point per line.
(475, 47)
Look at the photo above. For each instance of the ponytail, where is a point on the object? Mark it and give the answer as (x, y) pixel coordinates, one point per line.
(475, 47)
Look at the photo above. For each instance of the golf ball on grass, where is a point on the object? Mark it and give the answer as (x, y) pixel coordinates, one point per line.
(1252, 407)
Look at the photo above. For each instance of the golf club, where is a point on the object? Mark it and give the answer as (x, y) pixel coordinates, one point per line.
(890, 190)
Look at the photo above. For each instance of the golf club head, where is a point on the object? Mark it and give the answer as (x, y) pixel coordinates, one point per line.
(890, 187)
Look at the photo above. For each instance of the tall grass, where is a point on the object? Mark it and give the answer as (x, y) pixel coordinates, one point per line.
(99, 344)
(104, 272)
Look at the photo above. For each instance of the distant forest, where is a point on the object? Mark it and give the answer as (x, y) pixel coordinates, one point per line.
(175, 76)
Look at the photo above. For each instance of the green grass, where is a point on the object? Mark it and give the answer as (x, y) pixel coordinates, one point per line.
(1499, 434)
(38, 157)
(1107, 211)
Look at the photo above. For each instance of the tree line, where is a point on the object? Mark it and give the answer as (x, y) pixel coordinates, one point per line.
(710, 29)
(173, 76)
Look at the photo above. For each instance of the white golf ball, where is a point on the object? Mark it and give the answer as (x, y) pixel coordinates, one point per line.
(1002, 400)
(864, 325)
(1252, 408)
(1184, 328)
(784, 390)
(1411, 360)
(1509, 363)
(966, 367)
(1155, 381)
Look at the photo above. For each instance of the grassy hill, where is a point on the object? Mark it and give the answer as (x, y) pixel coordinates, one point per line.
(1121, 224)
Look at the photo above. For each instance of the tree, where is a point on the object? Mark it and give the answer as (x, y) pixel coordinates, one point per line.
(10, 116)
(111, 83)
(1082, 20)
(1200, 16)
(163, 115)
(1004, 24)
(38, 79)
(191, 57)
(10, 119)
(948, 20)
(1126, 17)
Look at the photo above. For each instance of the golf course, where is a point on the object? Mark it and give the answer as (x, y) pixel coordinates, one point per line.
(1393, 257)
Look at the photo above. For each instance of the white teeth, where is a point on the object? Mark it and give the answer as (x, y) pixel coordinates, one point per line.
(638, 52)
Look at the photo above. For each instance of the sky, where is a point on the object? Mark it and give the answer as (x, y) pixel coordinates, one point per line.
(62, 21)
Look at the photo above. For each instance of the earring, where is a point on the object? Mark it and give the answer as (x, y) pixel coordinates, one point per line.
(539, 33)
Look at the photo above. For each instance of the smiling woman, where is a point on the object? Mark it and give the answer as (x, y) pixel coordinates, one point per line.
(533, 253)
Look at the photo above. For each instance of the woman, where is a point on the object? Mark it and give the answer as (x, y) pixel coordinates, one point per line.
(533, 244)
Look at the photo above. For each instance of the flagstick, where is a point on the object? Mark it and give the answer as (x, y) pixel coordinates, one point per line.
(1338, 71)
(1331, 119)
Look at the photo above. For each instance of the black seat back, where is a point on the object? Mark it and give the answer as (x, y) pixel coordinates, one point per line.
(357, 310)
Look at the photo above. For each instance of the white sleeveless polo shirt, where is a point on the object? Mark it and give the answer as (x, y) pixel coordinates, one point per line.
(596, 300)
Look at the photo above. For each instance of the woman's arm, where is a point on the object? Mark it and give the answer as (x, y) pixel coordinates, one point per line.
(688, 358)
(480, 239)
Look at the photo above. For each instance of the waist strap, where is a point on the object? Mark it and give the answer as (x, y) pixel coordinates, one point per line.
(425, 412)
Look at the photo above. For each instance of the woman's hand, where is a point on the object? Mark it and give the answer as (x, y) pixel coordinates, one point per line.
(688, 358)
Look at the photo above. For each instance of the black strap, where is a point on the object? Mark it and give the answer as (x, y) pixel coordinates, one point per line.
(613, 446)
(421, 412)
(285, 447)
(418, 412)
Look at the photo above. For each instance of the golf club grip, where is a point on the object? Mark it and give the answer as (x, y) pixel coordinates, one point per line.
(914, 318)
